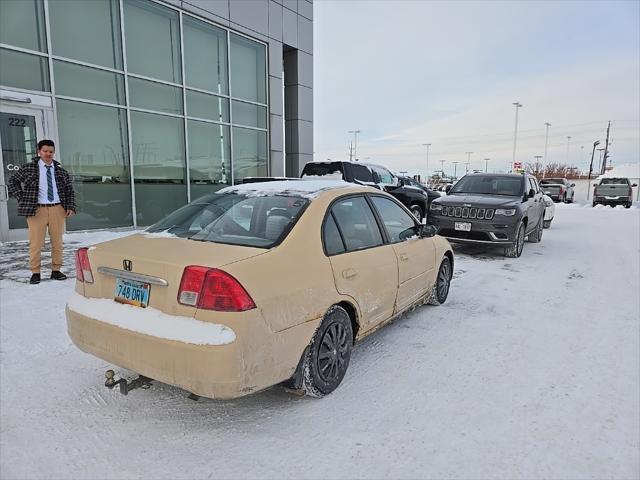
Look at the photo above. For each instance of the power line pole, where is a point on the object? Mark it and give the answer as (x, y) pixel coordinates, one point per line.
(515, 135)
(455, 169)
(468, 160)
(546, 141)
(355, 143)
(595, 144)
(486, 164)
(350, 151)
(442, 163)
(606, 150)
(568, 142)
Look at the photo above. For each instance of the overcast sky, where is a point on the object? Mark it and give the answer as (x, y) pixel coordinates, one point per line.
(407, 73)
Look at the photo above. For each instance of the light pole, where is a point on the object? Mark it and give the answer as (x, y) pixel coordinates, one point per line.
(455, 169)
(515, 134)
(427, 145)
(600, 161)
(546, 140)
(568, 143)
(486, 164)
(595, 144)
(355, 143)
(468, 160)
(538, 163)
(442, 169)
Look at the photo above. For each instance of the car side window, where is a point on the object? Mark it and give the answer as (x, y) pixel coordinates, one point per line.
(362, 173)
(533, 184)
(386, 177)
(394, 218)
(357, 223)
(331, 237)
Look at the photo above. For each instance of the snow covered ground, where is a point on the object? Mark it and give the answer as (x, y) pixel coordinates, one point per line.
(530, 370)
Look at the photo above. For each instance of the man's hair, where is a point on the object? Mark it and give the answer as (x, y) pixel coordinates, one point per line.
(46, 143)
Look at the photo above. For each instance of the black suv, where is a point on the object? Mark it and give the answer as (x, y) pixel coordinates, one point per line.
(411, 182)
(491, 209)
(377, 176)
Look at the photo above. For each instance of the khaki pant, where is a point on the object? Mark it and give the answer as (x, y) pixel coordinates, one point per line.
(52, 217)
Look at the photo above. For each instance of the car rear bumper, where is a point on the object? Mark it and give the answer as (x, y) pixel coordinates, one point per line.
(621, 200)
(488, 232)
(255, 360)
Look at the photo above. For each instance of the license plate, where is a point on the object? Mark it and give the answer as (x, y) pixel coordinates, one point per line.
(463, 226)
(133, 293)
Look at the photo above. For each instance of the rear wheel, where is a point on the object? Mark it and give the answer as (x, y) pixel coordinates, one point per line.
(627, 205)
(416, 211)
(327, 358)
(515, 250)
(440, 290)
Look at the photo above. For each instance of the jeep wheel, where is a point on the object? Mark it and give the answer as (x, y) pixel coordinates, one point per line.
(515, 250)
(440, 290)
(536, 235)
(327, 357)
(417, 212)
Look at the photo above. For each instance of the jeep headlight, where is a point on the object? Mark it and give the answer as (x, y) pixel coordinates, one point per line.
(507, 212)
(436, 207)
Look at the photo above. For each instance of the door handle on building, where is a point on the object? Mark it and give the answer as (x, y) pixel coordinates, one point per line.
(349, 273)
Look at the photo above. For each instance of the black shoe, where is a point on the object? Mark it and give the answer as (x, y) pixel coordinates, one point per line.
(57, 275)
(35, 279)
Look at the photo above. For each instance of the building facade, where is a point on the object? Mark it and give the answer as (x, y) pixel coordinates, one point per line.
(153, 103)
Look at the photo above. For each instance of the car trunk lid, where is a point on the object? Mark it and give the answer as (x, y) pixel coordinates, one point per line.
(163, 259)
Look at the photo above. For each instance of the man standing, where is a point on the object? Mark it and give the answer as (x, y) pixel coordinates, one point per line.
(45, 196)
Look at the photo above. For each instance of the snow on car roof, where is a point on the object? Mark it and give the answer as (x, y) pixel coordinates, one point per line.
(301, 188)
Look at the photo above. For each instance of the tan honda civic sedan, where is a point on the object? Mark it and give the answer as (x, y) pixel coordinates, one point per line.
(255, 285)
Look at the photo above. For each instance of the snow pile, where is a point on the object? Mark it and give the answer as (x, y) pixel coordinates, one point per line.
(162, 234)
(151, 321)
(330, 176)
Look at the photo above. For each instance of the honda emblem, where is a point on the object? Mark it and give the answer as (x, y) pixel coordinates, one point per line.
(127, 264)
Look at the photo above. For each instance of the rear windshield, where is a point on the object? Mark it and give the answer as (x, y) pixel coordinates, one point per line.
(235, 219)
(614, 181)
(323, 169)
(545, 181)
(510, 186)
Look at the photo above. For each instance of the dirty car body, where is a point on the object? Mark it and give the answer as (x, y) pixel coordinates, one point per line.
(230, 294)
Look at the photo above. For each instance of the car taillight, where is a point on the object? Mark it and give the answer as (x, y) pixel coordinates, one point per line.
(212, 289)
(83, 267)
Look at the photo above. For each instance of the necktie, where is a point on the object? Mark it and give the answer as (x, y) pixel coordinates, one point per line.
(49, 184)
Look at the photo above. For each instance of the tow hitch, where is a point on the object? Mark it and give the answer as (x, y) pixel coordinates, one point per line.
(126, 387)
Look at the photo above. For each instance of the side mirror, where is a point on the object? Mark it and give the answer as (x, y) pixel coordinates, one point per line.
(532, 193)
(634, 185)
(572, 185)
(428, 231)
(447, 188)
(401, 182)
(595, 184)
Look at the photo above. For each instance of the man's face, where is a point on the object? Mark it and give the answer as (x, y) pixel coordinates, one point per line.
(46, 153)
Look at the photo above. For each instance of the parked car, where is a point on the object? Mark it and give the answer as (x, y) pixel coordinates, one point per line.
(491, 209)
(257, 284)
(613, 191)
(373, 175)
(559, 189)
(431, 194)
(549, 210)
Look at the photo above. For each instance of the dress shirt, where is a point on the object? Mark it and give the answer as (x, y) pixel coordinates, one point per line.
(43, 187)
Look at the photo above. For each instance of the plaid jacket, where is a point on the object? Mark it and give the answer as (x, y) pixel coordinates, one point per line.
(24, 186)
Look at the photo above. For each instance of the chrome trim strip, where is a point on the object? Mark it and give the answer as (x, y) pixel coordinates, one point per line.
(485, 242)
(136, 277)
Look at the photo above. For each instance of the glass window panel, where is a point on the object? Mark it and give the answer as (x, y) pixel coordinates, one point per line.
(87, 31)
(153, 40)
(209, 157)
(395, 219)
(155, 96)
(331, 237)
(159, 165)
(205, 56)
(249, 114)
(84, 82)
(357, 223)
(248, 69)
(22, 70)
(93, 145)
(249, 153)
(22, 24)
(206, 106)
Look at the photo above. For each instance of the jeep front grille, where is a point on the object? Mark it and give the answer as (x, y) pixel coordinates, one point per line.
(468, 212)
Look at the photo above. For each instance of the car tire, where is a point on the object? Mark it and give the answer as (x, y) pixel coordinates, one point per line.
(593, 204)
(440, 290)
(547, 223)
(327, 357)
(515, 250)
(627, 205)
(416, 211)
(536, 235)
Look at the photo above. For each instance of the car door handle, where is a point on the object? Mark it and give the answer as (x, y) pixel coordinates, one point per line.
(404, 257)
(349, 273)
